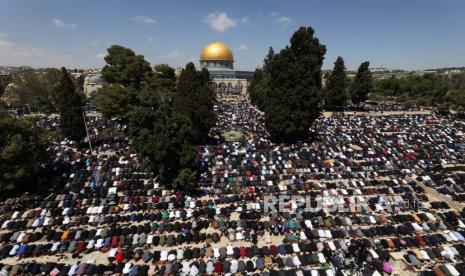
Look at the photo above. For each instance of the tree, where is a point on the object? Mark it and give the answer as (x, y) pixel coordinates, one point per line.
(363, 84)
(268, 57)
(127, 74)
(23, 155)
(186, 180)
(115, 100)
(455, 98)
(69, 105)
(293, 87)
(34, 88)
(164, 119)
(428, 89)
(195, 100)
(125, 67)
(165, 72)
(257, 88)
(163, 137)
(336, 90)
(80, 82)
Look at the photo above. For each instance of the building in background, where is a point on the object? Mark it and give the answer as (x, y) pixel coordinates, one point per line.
(218, 59)
(93, 83)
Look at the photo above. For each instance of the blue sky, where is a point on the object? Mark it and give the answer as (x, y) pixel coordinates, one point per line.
(404, 34)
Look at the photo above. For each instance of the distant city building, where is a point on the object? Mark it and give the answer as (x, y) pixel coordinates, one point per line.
(453, 71)
(218, 59)
(93, 83)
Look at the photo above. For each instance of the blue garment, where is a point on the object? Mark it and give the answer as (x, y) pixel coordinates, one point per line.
(134, 271)
(281, 249)
(107, 242)
(22, 249)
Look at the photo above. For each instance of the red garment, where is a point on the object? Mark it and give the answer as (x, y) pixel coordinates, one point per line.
(242, 251)
(273, 250)
(81, 246)
(119, 256)
(114, 241)
(218, 267)
(420, 240)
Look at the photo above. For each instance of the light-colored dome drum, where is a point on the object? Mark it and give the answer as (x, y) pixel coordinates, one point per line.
(216, 51)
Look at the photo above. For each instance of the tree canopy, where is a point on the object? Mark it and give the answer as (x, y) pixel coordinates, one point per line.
(336, 90)
(362, 85)
(69, 104)
(125, 67)
(164, 137)
(165, 116)
(115, 100)
(23, 154)
(194, 99)
(288, 88)
(443, 91)
(34, 88)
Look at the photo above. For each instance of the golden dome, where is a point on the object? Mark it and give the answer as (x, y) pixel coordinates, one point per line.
(216, 51)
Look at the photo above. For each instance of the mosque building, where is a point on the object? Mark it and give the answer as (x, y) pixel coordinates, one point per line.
(218, 59)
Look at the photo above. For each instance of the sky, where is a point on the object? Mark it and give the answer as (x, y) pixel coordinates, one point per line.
(405, 34)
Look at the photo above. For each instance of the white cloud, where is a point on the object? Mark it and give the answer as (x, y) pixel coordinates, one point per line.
(151, 39)
(144, 19)
(274, 13)
(175, 54)
(219, 21)
(6, 45)
(242, 47)
(15, 54)
(3, 34)
(94, 43)
(245, 20)
(100, 56)
(284, 21)
(59, 23)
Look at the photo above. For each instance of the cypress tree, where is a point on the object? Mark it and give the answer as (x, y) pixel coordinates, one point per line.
(268, 57)
(363, 84)
(258, 86)
(293, 89)
(164, 138)
(69, 104)
(195, 99)
(336, 91)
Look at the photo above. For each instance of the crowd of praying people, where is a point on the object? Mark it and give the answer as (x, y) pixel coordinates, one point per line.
(364, 178)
